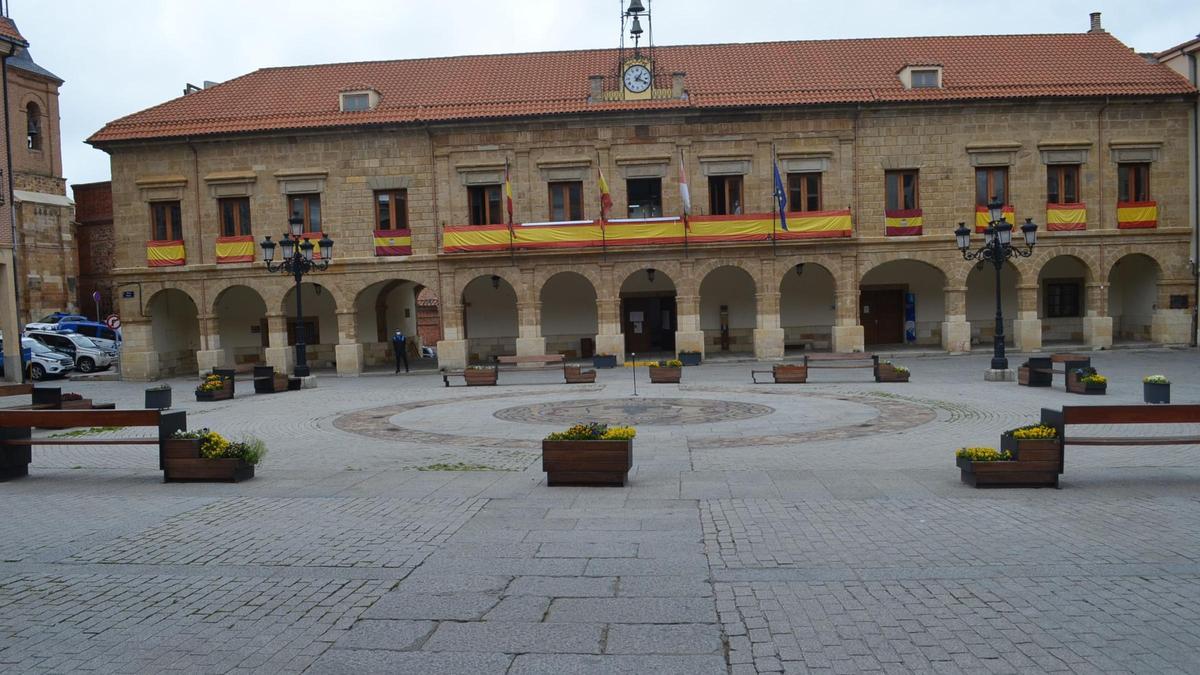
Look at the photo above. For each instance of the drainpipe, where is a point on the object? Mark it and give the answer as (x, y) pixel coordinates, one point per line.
(12, 200)
(1195, 78)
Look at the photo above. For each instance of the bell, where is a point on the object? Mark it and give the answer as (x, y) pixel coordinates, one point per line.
(635, 7)
(636, 30)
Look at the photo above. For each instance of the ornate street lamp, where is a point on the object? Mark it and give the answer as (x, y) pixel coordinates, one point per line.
(297, 260)
(997, 248)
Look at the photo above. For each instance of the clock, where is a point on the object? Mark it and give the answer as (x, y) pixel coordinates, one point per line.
(637, 78)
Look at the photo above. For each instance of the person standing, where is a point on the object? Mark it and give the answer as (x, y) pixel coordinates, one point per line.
(400, 346)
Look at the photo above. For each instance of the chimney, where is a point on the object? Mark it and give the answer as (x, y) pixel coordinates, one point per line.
(596, 82)
(1096, 27)
(677, 85)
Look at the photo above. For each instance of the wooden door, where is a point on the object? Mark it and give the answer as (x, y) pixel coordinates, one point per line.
(648, 324)
(881, 313)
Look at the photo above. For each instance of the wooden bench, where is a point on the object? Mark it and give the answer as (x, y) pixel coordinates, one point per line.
(1072, 416)
(16, 426)
(267, 381)
(839, 361)
(543, 361)
(1039, 371)
(783, 373)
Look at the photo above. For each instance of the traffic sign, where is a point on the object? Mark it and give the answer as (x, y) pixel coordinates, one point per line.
(113, 321)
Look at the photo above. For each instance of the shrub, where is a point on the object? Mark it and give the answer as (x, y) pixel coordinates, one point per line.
(211, 383)
(215, 446)
(593, 431)
(1033, 431)
(672, 363)
(983, 454)
(71, 396)
(1149, 379)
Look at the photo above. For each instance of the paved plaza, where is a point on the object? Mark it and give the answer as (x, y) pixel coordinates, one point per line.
(398, 526)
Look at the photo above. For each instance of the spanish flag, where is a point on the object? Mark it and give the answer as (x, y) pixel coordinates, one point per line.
(393, 242)
(605, 197)
(983, 218)
(164, 253)
(1066, 217)
(902, 222)
(235, 249)
(508, 194)
(1137, 215)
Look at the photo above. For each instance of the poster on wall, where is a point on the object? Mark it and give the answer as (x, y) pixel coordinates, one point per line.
(910, 318)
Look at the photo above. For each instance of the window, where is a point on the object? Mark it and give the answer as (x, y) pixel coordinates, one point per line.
(1062, 298)
(33, 127)
(991, 182)
(645, 197)
(356, 102)
(235, 216)
(1133, 182)
(1062, 184)
(804, 191)
(391, 210)
(924, 79)
(566, 200)
(167, 221)
(903, 193)
(308, 209)
(485, 204)
(724, 195)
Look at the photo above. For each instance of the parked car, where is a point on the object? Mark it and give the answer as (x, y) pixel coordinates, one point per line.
(87, 355)
(102, 335)
(51, 321)
(44, 361)
(24, 355)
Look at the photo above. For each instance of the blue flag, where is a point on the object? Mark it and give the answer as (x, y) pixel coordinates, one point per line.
(780, 196)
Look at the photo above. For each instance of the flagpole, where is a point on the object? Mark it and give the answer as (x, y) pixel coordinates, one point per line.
(603, 229)
(774, 201)
(512, 253)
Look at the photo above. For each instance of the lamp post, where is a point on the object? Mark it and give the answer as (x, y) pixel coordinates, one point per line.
(997, 248)
(297, 260)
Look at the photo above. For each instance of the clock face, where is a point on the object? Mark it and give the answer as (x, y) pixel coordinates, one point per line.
(637, 78)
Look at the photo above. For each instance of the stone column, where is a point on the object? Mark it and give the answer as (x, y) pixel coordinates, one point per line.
(452, 348)
(848, 335)
(688, 336)
(279, 355)
(768, 335)
(210, 354)
(1027, 327)
(529, 329)
(9, 322)
(1097, 325)
(956, 330)
(1171, 326)
(139, 361)
(349, 351)
(610, 339)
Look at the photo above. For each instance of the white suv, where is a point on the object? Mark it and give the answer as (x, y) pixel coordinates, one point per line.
(88, 356)
(44, 361)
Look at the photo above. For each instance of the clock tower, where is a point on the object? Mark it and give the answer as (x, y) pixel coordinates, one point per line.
(636, 67)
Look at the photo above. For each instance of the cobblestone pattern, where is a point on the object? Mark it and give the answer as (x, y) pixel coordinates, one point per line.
(635, 411)
(300, 532)
(52, 623)
(1002, 625)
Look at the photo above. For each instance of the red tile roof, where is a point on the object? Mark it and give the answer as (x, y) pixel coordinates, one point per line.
(9, 32)
(718, 76)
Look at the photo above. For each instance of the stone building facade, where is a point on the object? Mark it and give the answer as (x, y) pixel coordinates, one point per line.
(96, 247)
(894, 167)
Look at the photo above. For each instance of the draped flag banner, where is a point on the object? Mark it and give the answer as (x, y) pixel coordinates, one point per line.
(902, 222)
(235, 249)
(685, 197)
(605, 197)
(983, 219)
(646, 232)
(780, 194)
(393, 242)
(1137, 215)
(1065, 217)
(164, 253)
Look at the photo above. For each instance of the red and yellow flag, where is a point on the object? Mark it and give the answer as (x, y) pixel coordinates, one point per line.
(164, 253)
(902, 222)
(605, 197)
(508, 194)
(983, 218)
(393, 242)
(1137, 215)
(1066, 217)
(235, 249)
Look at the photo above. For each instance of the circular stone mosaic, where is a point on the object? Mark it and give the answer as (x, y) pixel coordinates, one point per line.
(635, 411)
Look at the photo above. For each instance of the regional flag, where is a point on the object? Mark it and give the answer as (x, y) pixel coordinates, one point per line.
(508, 194)
(780, 195)
(685, 197)
(605, 197)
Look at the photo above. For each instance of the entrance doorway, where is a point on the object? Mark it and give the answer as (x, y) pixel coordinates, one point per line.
(881, 313)
(648, 324)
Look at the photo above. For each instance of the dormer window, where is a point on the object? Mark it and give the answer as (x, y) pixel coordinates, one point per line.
(921, 77)
(358, 101)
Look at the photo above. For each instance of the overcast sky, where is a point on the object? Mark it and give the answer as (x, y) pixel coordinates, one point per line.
(121, 56)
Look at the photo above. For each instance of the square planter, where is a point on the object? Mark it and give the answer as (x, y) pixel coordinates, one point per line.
(599, 463)
(182, 462)
(1005, 474)
(665, 375)
(577, 375)
(1035, 453)
(1077, 386)
(790, 374)
(1156, 393)
(221, 394)
(158, 399)
(79, 404)
(690, 358)
(14, 459)
(604, 361)
(888, 373)
(480, 378)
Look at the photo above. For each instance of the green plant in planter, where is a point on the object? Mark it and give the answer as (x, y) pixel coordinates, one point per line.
(671, 363)
(983, 454)
(900, 370)
(1149, 379)
(211, 383)
(593, 431)
(159, 387)
(479, 367)
(1094, 378)
(1033, 432)
(215, 446)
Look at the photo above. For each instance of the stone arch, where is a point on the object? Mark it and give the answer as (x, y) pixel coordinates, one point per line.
(673, 270)
(35, 111)
(871, 262)
(569, 313)
(728, 308)
(490, 317)
(1133, 296)
(382, 307)
(319, 321)
(241, 324)
(649, 315)
(175, 331)
(807, 305)
(543, 274)
(702, 268)
(980, 282)
(1063, 280)
(884, 292)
